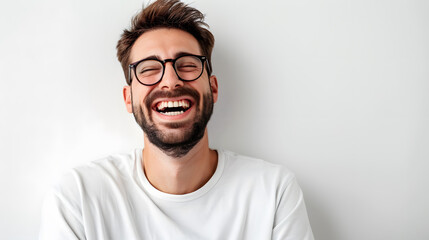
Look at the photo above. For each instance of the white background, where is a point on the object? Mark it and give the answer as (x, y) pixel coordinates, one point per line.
(335, 90)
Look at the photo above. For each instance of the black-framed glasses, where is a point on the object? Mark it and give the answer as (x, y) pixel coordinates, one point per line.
(150, 71)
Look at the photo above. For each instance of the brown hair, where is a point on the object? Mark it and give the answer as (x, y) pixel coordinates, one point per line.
(165, 14)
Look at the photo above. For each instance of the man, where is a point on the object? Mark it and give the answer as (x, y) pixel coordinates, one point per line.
(176, 187)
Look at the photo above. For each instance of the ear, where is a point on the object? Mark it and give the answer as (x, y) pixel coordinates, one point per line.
(214, 87)
(126, 91)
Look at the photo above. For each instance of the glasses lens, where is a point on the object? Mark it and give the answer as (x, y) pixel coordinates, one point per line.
(189, 67)
(149, 71)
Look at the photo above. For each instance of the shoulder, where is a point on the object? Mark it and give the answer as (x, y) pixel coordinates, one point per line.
(255, 169)
(81, 194)
(271, 185)
(96, 176)
(116, 165)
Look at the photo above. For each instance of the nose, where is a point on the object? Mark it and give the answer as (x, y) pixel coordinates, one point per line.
(170, 80)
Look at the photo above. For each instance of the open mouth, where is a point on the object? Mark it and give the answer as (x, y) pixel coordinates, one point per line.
(172, 108)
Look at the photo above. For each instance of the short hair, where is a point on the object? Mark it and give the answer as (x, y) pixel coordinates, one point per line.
(165, 14)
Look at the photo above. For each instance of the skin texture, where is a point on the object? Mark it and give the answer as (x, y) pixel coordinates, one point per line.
(173, 173)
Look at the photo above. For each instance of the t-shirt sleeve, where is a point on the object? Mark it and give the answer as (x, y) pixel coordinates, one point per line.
(61, 217)
(291, 221)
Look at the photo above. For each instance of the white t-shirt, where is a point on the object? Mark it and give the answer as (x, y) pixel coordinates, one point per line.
(246, 198)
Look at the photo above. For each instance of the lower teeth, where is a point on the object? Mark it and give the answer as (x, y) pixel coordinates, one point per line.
(173, 113)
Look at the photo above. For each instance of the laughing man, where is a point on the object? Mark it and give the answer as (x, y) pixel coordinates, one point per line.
(176, 187)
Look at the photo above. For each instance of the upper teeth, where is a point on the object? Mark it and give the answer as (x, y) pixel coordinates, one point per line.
(165, 104)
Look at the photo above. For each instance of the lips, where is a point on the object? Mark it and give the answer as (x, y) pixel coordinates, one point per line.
(173, 107)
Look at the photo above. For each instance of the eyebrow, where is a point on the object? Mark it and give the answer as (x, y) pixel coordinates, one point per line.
(157, 57)
(180, 54)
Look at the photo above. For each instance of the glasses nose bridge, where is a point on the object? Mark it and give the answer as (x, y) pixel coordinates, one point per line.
(173, 61)
(164, 64)
(165, 61)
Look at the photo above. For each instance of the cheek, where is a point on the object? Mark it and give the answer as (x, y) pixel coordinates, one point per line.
(139, 95)
(201, 85)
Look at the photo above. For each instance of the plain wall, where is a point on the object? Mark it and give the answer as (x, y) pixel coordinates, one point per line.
(335, 90)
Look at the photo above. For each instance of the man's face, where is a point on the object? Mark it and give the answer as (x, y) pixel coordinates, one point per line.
(174, 133)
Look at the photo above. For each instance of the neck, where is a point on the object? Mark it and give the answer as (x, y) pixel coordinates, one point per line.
(179, 175)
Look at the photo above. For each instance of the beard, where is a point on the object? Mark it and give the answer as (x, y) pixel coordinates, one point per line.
(180, 143)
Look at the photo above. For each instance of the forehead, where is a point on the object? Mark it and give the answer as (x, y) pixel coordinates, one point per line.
(164, 43)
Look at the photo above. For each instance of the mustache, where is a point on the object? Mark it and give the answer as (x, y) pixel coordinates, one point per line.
(178, 92)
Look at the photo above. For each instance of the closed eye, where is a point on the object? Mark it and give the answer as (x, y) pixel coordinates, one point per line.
(149, 71)
(187, 68)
